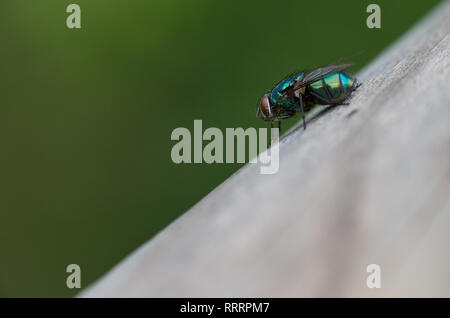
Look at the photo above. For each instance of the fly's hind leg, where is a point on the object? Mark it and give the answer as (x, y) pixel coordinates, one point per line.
(302, 110)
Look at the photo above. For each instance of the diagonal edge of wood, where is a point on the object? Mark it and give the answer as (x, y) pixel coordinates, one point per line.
(367, 183)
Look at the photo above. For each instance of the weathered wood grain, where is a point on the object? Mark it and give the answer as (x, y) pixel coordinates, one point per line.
(365, 183)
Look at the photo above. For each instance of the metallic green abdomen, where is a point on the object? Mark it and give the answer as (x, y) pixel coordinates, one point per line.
(332, 89)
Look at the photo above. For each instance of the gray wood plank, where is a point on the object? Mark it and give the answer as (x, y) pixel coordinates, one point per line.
(365, 183)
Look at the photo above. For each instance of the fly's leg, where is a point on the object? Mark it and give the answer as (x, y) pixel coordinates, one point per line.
(271, 127)
(300, 102)
(270, 140)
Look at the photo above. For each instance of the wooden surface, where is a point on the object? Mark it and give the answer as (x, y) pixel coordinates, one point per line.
(365, 183)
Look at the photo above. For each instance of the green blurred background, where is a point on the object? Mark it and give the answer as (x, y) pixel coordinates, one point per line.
(86, 115)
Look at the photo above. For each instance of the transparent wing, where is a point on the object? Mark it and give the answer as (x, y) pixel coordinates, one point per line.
(320, 73)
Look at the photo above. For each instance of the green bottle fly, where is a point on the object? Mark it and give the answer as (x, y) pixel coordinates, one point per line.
(330, 85)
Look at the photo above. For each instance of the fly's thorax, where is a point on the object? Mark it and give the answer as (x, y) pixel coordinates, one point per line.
(279, 94)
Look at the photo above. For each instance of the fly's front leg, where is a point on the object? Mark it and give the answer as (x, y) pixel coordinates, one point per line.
(279, 130)
(271, 127)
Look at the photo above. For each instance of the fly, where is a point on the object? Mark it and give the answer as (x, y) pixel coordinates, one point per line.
(301, 91)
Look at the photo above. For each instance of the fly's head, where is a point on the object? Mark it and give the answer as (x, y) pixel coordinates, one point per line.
(265, 109)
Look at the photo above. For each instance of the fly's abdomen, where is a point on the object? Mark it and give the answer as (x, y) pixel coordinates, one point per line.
(332, 89)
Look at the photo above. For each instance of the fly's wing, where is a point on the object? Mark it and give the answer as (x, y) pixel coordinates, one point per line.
(320, 73)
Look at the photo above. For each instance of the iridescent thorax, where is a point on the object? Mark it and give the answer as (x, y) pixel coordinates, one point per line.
(279, 96)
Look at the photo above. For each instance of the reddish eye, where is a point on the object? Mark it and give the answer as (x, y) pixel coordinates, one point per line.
(265, 106)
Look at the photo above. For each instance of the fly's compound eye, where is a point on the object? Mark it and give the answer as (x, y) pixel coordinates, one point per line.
(264, 106)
